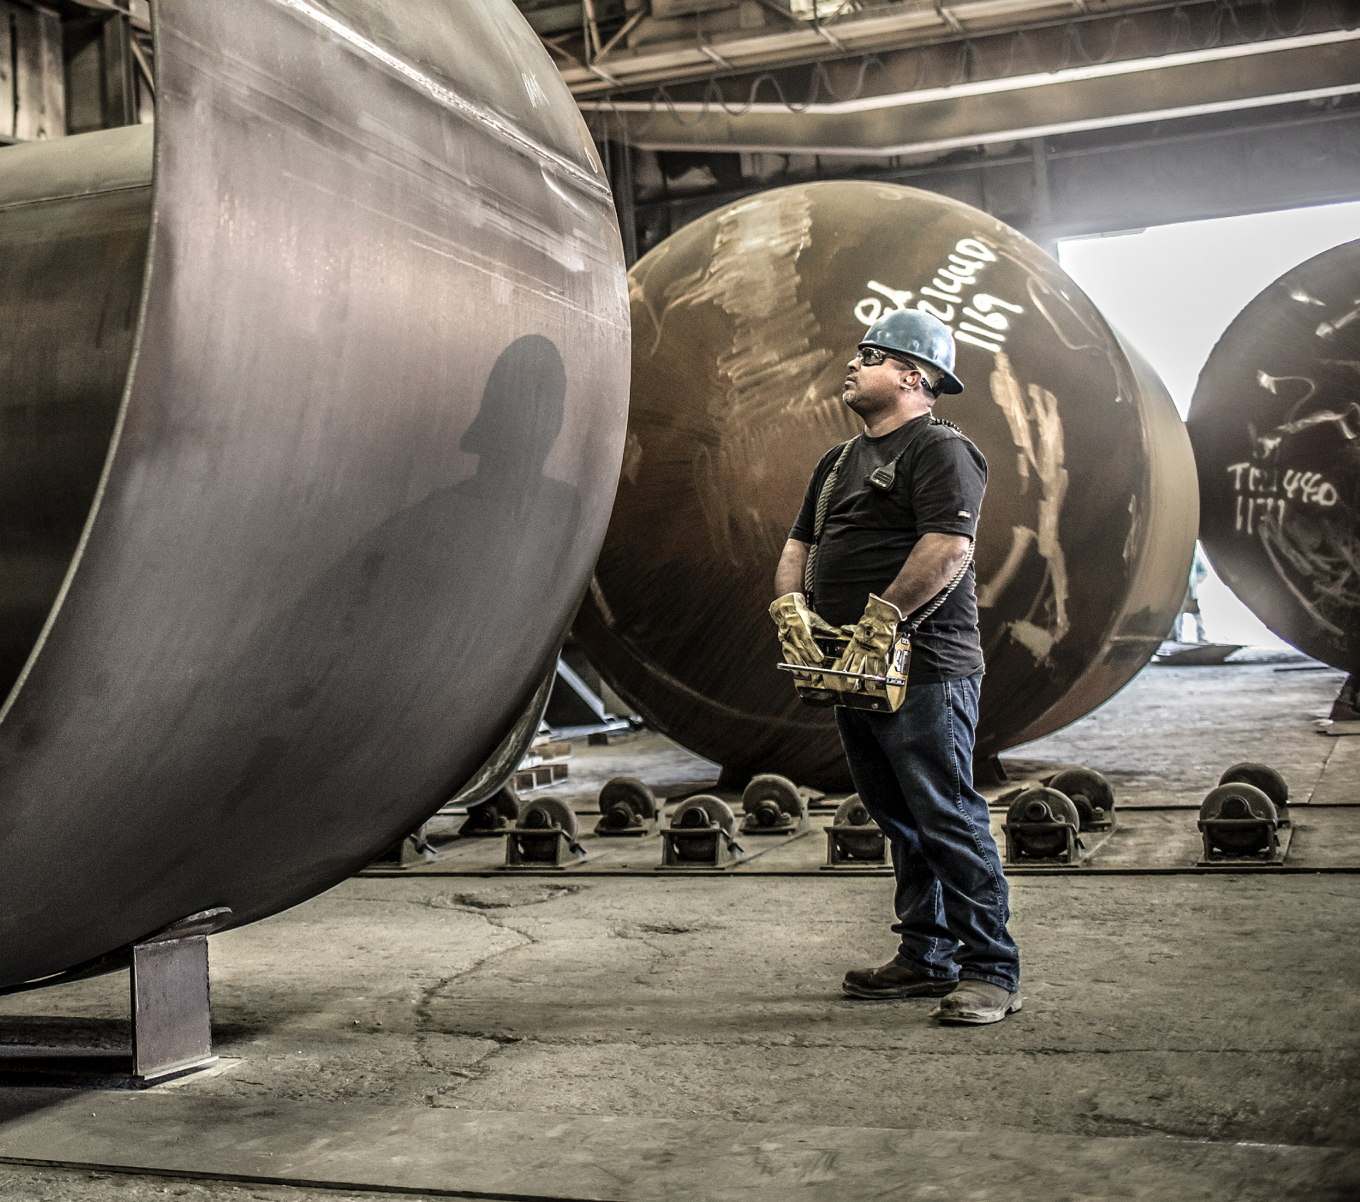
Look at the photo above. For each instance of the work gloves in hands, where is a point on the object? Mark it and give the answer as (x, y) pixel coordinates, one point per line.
(797, 627)
(871, 644)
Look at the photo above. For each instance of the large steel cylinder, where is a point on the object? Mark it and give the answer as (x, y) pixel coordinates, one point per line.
(1275, 424)
(296, 504)
(743, 324)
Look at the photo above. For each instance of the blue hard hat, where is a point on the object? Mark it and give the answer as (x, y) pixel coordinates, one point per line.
(923, 337)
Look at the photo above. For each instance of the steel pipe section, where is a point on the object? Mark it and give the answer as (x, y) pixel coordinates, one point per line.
(75, 214)
(743, 323)
(1275, 424)
(298, 503)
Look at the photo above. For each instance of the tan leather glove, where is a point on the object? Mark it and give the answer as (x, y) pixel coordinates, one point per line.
(823, 629)
(871, 644)
(796, 623)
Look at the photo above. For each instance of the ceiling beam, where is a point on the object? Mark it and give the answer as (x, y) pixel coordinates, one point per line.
(874, 31)
(1215, 80)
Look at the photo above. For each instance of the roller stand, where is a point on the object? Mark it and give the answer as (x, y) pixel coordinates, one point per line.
(855, 847)
(702, 834)
(409, 852)
(629, 810)
(698, 849)
(494, 817)
(1245, 820)
(1220, 839)
(1042, 827)
(545, 837)
(855, 840)
(774, 805)
(541, 849)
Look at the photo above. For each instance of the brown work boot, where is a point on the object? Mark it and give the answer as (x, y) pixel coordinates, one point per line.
(893, 980)
(976, 1003)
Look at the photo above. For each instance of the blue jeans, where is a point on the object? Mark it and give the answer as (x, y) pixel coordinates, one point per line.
(914, 773)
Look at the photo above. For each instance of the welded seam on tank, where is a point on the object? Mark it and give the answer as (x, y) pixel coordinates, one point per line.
(448, 97)
(85, 195)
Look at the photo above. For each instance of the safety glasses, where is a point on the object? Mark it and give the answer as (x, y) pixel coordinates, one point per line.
(872, 356)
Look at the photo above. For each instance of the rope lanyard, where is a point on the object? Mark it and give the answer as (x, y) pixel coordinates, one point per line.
(944, 596)
(823, 504)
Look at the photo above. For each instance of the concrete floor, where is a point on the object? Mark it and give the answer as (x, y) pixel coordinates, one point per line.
(1183, 1036)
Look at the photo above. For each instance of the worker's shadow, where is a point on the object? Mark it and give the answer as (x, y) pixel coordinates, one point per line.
(391, 671)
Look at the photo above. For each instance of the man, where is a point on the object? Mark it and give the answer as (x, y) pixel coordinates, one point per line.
(898, 525)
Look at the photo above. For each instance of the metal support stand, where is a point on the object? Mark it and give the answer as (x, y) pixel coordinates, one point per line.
(1273, 839)
(856, 847)
(409, 852)
(171, 1022)
(542, 849)
(171, 1027)
(709, 847)
(646, 828)
(544, 837)
(787, 827)
(575, 710)
(1015, 832)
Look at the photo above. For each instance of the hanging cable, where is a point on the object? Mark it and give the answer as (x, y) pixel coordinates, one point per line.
(1226, 25)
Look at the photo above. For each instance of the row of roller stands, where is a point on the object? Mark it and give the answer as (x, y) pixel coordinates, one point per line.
(1070, 820)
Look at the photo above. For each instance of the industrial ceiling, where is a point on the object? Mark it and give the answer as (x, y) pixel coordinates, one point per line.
(891, 78)
(1060, 117)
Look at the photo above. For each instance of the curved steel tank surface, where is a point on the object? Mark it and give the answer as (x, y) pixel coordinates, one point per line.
(1275, 424)
(314, 401)
(743, 324)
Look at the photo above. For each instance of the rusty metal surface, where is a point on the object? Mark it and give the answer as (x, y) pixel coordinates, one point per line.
(743, 323)
(369, 429)
(1275, 424)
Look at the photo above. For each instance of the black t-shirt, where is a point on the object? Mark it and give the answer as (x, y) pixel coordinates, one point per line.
(869, 532)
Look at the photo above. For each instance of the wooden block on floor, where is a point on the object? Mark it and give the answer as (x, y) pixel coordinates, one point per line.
(539, 776)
